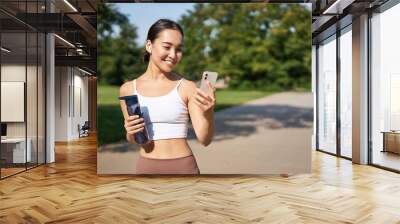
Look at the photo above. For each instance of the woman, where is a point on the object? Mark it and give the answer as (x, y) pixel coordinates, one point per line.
(167, 100)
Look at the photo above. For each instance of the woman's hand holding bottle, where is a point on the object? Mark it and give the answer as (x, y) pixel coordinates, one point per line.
(134, 124)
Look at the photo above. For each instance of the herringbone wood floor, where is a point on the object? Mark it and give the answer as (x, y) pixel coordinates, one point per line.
(70, 191)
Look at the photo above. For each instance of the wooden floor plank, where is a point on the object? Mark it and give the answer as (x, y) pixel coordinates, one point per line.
(70, 191)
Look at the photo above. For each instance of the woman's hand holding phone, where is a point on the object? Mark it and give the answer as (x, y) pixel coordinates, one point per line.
(206, 101)
(134, 124)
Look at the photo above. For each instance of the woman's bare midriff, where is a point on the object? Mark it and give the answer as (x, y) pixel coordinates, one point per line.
(166, 149)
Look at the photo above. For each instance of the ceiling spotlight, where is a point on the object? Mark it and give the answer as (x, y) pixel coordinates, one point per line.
(64, 40)
(337, 7)
(79, 51)
(86, 72)
(71, 6)
(5, 50)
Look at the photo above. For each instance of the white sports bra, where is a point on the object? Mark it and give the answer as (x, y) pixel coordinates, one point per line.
(165, 116)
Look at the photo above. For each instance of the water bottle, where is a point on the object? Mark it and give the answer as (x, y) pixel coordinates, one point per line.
(133, 107)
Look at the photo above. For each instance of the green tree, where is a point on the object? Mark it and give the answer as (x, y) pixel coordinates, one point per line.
(264, 46)
(256, 45)
(119, 58)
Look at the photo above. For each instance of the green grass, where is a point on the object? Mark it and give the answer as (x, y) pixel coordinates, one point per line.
(111, 121)
(107, 95)
(229, 98)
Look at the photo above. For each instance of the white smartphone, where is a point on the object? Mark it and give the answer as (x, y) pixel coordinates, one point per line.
(208, 76)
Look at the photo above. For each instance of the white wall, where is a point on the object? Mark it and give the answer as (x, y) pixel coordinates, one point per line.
(14, 72)
(70, 83)
(33, 126)
(61, 103)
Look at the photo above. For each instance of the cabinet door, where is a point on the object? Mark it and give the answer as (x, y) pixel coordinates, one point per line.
(393, 142)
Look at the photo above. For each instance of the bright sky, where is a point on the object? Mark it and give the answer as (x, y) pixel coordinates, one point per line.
(143, 15)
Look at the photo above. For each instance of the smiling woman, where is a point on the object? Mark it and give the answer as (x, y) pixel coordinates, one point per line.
(167, 101)
(158, 52)
(165, 34)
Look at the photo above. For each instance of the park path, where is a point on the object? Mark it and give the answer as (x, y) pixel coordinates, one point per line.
(270, 135)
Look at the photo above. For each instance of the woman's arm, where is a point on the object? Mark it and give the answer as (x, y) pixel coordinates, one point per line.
(132, 124)
(201, 110)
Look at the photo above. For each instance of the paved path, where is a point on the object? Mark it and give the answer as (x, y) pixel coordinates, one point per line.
(271, 135)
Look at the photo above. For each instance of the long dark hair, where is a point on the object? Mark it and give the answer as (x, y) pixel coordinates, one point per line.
(156, 28)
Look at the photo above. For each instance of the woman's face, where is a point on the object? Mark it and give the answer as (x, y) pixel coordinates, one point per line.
(166, 49)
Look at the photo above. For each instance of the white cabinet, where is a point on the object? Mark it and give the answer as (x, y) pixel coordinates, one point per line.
(18, 149)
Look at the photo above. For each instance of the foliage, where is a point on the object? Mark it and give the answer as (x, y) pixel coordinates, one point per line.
(255, 46)
(262, 46)
(118, 55)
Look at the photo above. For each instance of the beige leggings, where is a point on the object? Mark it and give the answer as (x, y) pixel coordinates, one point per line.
(183, 165)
